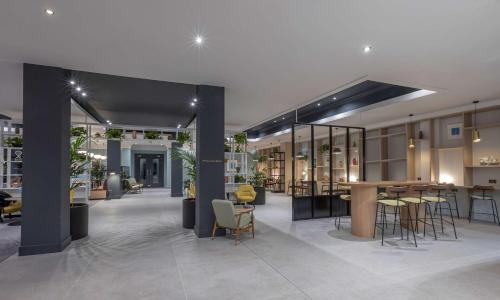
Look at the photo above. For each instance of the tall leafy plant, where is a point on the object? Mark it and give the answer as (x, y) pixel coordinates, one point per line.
(152, 135)
(78, 161)
(78, 131)
(14, 141)
(189, 160)
(97, 173)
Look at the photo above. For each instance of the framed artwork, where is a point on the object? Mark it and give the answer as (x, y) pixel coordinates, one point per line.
(455, 131)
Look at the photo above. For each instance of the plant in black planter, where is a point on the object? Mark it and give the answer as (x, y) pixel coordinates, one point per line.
(79, 212)
(188, 205)
(114, 133)
(14, 141)
(152, 135)
(257, 180)
(183, 137)
(78, 131)
(240, 139)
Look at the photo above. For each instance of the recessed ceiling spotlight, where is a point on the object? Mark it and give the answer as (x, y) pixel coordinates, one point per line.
(334, 98)
(49, 11)
(72, 82)
(367, 49)
(178, 125)
(195, 100)
(274, 121)
(199, 39)
(193, 104)
(84, 94)
(78, 88)
(319, 104)
(283, 118)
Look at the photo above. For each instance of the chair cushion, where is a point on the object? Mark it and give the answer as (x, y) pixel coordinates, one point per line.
(392, 202)
(245, 198)
(434, 199)
(345, 197)
(382, 195)
(14, 206)
(412, 200)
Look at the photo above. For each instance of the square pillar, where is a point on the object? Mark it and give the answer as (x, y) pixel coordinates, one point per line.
(46, 142)
(176, 171)
(209, 155)
(114, 158)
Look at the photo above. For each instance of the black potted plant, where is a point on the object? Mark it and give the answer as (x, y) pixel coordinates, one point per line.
(257, 180)
(188, 204)
(79, 212)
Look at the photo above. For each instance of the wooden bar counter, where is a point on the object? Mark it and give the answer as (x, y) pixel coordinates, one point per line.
(364, 204)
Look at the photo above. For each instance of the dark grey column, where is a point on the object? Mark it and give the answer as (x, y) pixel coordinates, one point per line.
(113, 182)
(46, 139)
(209, 155)
(176, 171)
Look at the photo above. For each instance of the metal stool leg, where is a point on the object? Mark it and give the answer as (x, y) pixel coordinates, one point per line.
(456, 205)
(376, 217)
(412, 229)
(428, 206)
(452, 221)
(441, 216)
(471, 207)
(383, 207)
(496, 210)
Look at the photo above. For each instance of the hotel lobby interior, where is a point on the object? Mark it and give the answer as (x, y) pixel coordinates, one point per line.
(249, 149)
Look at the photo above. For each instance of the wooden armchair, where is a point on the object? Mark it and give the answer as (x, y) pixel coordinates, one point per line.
(226, 216)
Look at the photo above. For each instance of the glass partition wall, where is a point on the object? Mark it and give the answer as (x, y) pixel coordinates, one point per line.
(324, 156)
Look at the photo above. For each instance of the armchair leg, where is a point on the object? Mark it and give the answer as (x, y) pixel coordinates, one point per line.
(214, 229)
(237, 238)
(253, 228)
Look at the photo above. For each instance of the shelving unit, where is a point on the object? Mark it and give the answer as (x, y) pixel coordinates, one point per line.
(277, 171)
(235, 167)
(387, 153)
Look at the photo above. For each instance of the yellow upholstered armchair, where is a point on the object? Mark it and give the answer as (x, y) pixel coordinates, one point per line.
(13, 207)
(245, 194)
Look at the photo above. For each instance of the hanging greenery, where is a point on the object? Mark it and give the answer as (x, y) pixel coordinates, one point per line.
(114, 133)
(78, 131)
(324, 148)
(14, 141)
(183, 137)
(152, 135)
(240, 139)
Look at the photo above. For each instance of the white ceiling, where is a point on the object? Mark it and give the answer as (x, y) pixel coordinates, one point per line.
(270, 55)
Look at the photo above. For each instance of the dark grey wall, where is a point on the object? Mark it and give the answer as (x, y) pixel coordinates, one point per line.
(113, 182)
(176, 171)
(46, 138)
(209, 155)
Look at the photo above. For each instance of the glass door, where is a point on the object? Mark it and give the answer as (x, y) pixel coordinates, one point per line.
(149, 169)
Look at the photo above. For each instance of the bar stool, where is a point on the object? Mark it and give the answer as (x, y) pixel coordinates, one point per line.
(438, 202)
(395, 204)
(484, 192)
(417, 201)
(347, 199)
(452, 193)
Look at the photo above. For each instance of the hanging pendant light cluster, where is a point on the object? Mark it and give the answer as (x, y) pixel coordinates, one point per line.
(475, 133)
(411, 140)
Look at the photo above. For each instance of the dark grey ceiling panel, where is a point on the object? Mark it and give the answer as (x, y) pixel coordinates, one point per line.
(134, 101)
(360, 95)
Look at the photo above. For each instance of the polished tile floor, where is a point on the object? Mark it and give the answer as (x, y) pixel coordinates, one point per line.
(138, 250)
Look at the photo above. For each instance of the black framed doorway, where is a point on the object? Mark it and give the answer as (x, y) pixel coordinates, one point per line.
(324, 157)
(149, 169)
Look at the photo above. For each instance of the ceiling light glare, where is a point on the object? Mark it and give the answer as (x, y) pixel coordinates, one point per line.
(319, 104)
(283, 118)
(193, 104)
(72, 82)
(195, 100)
(178, 125)
(367, 49)
(49, 11)
(84, 94)
(199, 40)
(78, 88)
(334, 98)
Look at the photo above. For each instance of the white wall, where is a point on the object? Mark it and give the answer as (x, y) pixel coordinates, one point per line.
(11, 89)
